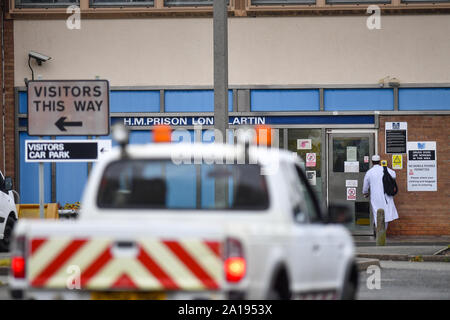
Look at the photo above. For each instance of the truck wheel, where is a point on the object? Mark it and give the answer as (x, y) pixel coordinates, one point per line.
(351, 285)
(16, 294)
(280, 288)
(4, 243)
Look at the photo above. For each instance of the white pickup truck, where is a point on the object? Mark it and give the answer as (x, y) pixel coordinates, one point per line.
(8, 213)
(190, 221)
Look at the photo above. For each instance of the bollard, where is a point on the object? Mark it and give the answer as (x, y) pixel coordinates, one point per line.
(381, 232)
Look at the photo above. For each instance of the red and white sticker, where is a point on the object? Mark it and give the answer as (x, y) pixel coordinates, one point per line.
(310, 159)
(303, 144)
(351, 193)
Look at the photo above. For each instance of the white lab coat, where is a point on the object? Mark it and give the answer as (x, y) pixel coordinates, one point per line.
(373, 180)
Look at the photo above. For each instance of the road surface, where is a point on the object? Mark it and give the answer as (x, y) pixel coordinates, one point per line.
(399, 280)
(407, 280)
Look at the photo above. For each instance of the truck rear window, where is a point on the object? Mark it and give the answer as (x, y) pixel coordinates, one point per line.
(162, 184)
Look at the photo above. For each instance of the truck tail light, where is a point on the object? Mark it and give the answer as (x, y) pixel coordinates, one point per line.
(235, 263)
(235, 269)
(18, 267)
(18, 262)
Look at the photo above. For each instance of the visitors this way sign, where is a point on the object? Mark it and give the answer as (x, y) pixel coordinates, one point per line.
(67, 108)
(66, 150)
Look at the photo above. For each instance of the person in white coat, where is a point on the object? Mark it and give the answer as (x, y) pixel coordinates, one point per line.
(373, 181)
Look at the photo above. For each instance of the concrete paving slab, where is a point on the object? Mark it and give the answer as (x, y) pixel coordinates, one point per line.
(407, 250)
(363, 241)
(364, 263)
(405, 257)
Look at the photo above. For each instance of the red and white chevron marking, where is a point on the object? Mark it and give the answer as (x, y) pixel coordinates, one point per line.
(155, 265)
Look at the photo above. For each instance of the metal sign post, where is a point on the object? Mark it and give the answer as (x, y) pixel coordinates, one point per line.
(42, 151)
(220, 66)
(220, 26)
(41, 188)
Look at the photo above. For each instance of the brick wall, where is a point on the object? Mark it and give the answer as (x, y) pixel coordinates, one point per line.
(7, 145)
(422, 213)
(9, 100)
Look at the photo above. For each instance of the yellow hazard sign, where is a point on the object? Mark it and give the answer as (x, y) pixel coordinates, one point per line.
(397, 161)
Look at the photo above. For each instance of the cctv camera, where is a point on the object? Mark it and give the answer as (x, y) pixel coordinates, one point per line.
(39, 57)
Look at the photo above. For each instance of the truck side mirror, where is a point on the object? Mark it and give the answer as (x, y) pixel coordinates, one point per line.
(8, 184)
(339, 213)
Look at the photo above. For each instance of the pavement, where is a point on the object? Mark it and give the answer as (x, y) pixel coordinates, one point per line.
(370, 241)
(403, 248)
(364, 263)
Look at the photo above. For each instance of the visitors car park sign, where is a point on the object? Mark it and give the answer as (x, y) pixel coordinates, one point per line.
(422, 171)
(66, 150)
(68, 107)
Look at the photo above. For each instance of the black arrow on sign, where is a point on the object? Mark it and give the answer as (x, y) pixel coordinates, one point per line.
(61, 124)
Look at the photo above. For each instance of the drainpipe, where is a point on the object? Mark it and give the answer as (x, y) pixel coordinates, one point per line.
(3, 87)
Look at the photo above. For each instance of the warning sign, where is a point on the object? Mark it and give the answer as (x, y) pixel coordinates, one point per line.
(351, 193)
(422, 170)
(310, 159)
(397, 161)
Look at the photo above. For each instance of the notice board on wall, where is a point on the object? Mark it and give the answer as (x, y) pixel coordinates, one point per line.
(396, 134)
(422, 169)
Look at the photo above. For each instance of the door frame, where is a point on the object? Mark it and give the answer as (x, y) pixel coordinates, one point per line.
(327, 142)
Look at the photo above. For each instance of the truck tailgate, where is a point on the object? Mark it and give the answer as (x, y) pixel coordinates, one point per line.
(144, 261)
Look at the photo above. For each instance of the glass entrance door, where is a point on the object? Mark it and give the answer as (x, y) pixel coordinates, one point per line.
(349, 156)
(307, 143)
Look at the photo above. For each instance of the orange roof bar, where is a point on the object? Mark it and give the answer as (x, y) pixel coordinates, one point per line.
(162, 133)
(263, 135)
